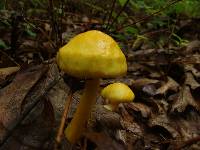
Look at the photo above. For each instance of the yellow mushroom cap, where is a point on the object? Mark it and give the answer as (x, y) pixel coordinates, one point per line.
(117, 93)
(92, 54)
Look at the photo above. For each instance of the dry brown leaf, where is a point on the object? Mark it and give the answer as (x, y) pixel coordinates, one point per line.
(194, 71)
(184, 99)
(105, 118)
(128, 123)
(189, 59)
(132, 127)
(191, 81)
(33, 132)
(187, 126)
(103, 141)
(164, 122)
(4, 72)
(170, 85)
(12, 96)
(28, 46)
(127, 81)
(144, 81)
(139, 107)
(193, 46)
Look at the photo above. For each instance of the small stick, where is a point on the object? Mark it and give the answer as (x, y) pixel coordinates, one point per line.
(115, 19)
(110, 15)
(64, 116)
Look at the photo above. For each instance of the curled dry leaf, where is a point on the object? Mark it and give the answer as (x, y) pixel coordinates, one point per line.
(142, 82)
(192, 69)
(162, 121)
(170, 85)
(184, 99)
(139, 107)
(191, 81)
(105, 118)
(128, 123)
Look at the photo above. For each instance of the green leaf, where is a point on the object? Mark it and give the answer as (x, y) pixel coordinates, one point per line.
(31, 33)
(120, 37)
(2, 4)
(2, 44)
(131, 30)
(122, 2)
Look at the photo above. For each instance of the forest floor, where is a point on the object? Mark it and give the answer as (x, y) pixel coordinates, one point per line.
(165, 79)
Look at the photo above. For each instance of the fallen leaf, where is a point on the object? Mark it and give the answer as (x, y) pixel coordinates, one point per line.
(139, 107)
(190, 81)
(188, 126)
(104, 118)
(193, 46)
(5, 72)
(128, 123)
(194, 71)
(103, 141)
(162, 121)
(170, 85)
(35, 130)
(184, 99)
(12, 96)
(142, 82)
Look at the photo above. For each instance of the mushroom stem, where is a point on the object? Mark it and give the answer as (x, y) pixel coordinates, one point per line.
(79, 122)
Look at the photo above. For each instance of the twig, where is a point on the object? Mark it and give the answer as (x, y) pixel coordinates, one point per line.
(61, 25)
(150, 16)
(62, 123)
(53, 21)
(119, 13)
(4, 53)
(110, 15)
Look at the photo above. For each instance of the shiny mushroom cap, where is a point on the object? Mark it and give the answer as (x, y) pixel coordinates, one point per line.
(92, 54)
(117, 93)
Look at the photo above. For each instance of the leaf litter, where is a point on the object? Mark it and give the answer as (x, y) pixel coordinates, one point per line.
(164, 114)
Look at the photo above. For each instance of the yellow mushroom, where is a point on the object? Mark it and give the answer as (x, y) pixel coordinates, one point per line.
(117, 93)
(90, 55)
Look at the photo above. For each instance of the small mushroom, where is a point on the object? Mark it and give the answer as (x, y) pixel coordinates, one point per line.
(117, 93)
(90, 55)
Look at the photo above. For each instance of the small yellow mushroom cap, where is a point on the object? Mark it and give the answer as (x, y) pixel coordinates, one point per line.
(92, 54)
(117, 93)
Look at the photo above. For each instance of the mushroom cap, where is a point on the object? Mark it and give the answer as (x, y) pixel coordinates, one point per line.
(92, 54)
(117, 93)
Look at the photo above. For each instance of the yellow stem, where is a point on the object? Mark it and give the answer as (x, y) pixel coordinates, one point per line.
(79, 122)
